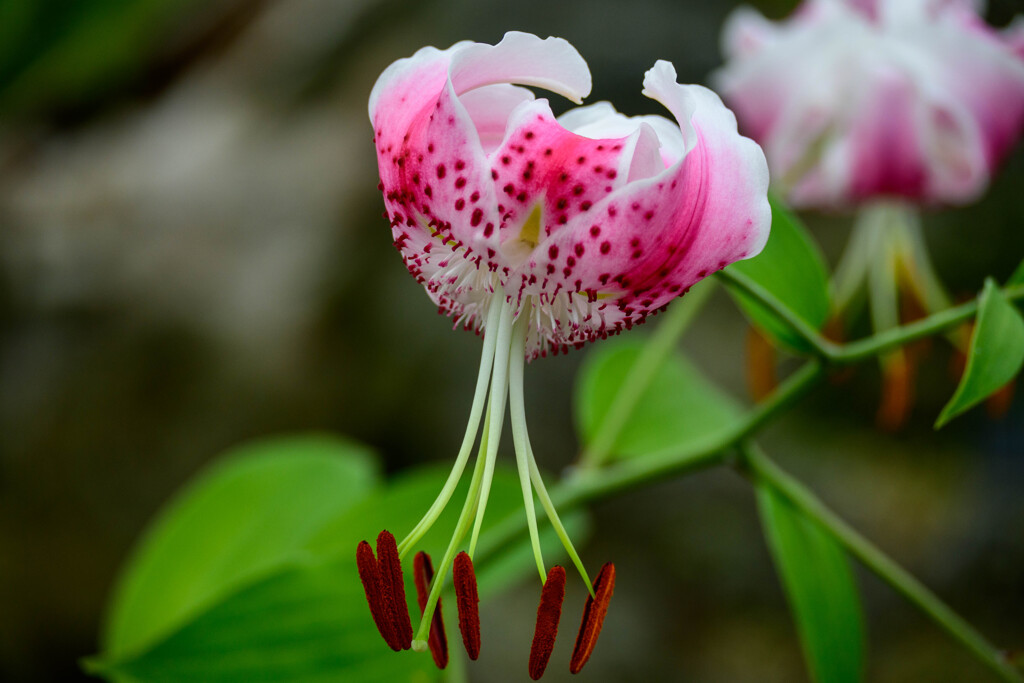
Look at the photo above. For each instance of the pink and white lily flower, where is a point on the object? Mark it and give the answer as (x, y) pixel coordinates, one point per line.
(854, 100)
(543, 233)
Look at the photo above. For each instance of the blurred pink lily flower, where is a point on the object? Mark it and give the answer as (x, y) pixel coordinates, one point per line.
(887, 106)
(854, 100)
(543, 233)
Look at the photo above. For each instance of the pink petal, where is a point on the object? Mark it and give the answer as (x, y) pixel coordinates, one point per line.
(887, 158)
(552, 64)
(435, 175)
(987, 76)
(541, 164)
(647, 243)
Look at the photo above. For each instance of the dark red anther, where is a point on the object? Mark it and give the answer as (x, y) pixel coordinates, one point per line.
(370, 576)
(548, 613)
(385, 590)
(593, 617)
(423, 573)
(392, 585)
(468, 601)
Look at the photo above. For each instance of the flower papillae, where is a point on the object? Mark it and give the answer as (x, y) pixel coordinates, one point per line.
(542, 234)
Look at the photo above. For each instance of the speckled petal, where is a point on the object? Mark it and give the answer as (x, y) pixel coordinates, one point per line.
(437, 182)
(647, 243)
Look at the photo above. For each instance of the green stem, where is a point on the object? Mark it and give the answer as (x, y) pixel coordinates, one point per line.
(880, 563)
(854, 352)
(653, 355)
(821, 346)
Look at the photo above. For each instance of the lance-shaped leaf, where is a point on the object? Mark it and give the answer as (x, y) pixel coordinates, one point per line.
(995, 356)
(820, 587)
(790, 270)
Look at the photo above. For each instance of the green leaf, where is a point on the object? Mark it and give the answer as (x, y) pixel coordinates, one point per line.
(299, 624)
(1017, 278)
(295, 610)
(55, 53)
(995, 356)
(678, 407)
(792, 270)
(247, 513)
(820, 587)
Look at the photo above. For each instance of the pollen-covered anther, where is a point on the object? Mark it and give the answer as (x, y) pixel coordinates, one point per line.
(548, 614)
(593, 617)
(369, 575)
(423, 574)
(385, 590)
(468, 601)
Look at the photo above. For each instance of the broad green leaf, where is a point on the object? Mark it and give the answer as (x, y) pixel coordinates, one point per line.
(678, 407)
(304, 623)
(995, 356)
(250, 511)
(820, 587)
(1017, 278)
(301, 618)
(792, 270)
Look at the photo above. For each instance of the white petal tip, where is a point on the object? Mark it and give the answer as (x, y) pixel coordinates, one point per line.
(662, 74)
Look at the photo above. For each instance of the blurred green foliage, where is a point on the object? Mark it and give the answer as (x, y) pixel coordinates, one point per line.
(678, 407)
(63, 54)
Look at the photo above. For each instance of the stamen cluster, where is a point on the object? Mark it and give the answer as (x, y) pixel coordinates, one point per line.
(384, 586)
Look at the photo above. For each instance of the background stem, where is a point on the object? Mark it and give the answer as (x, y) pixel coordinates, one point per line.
(881, 564)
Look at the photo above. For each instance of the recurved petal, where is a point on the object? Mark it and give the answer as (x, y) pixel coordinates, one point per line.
(523, 58)
(746, 32)
(981, 68)
(650, 241)
(1013, 36)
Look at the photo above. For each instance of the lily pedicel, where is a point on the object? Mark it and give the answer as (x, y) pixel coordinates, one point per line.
(541, 234)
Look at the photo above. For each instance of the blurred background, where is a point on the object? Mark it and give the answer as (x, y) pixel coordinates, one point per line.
(192, 254)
